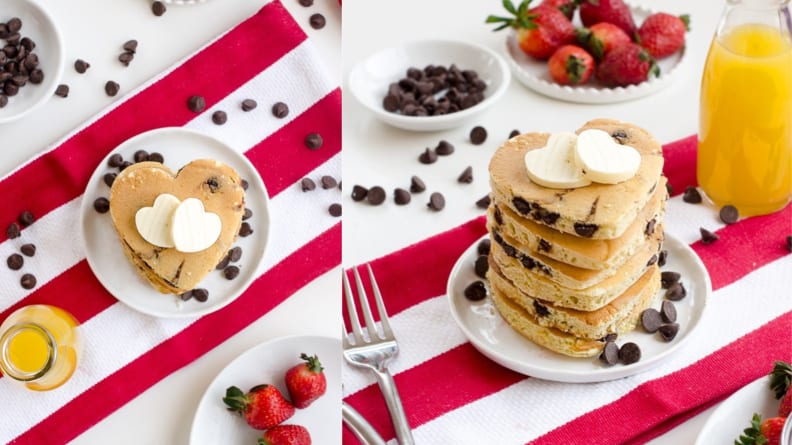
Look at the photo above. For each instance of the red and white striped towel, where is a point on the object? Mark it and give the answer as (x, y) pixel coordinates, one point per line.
(454, 395)
(267, 57)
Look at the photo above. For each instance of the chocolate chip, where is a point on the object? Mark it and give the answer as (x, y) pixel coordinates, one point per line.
(376, 195)
(26, 218)
(668, 278)
(130, 45)
(196, 104)
(185, 296)
(156, 157)
(245, 229)
(544, 245)
(81, 66)
(478, 135)
(444, 148)
(317, 21)
(224, 261)
(115, 160)
(691, 195)
(126, 57)
(652, 260)
(280, 110)
(669, 189)
(124, 165)
(428, 156)
(610, 353)
(676, 292)
(498, 216)
(612, 336)
(669, 331)
(417, 185)
(313, 141)
(650, 227)
(28, 281)
(306, 3)
(111, 88)
(158, 8)
(307, 184)
(729, 214)
(401, 197)
(620, 136)
(359, 193)
(466, 177)
(235, 254)
(484, 202)
(328, 182)
(231, 272)
(244, 184)
(629, 353)
(212, 184)
(789, 243)
(481, 266)
(668, 311)
(476, 291)
(514, 133)
(14, 25)
(247, 214)
(15, 261)
(219, 117)
(140, 156)
(62, 90)
(521, 205)
(12, 231)
(541, 310)
(28, 249)
(101, 205)
(707, 237)
(585, 230)
(3, 100)
(662, 258)
(334, 210)
(436, 201)
(200, 295)
(651, 320)
(484, 246)
(248, 105)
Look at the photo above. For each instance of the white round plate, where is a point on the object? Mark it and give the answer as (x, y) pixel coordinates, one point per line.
(268, 362)
(492, 336)
(370, 78)
(103, 250)
(728, 421)
(40, 27)
(534, 74)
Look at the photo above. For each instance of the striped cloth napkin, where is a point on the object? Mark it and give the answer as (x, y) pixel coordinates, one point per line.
(453, 394)
(266, 57)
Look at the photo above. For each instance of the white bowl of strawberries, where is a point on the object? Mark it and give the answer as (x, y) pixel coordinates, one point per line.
(602, 51)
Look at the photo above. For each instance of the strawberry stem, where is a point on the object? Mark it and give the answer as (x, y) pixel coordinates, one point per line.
(312, 362)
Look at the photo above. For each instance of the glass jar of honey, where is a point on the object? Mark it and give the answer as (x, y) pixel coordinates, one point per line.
(39, 346)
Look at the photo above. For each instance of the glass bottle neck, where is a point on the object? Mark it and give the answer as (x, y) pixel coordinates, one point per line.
(27, 352)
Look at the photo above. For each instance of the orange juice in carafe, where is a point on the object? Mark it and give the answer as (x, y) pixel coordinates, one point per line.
(745, 137)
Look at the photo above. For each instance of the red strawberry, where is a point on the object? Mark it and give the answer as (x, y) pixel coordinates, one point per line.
(262, 407)
(611, 11)
(566, 6)
(570, 65)
(306, 382)
(601, 38)
(286, 435)
(540, 30)
(771, 429)
(786, 405)
(626, 65)
(663, 34)
(780, 381)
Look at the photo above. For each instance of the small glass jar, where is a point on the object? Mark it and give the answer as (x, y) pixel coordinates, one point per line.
(39, 346)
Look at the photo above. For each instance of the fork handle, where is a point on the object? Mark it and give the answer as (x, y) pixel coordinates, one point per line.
(395, 408)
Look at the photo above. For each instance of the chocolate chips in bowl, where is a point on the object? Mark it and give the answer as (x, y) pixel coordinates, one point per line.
(429, 85)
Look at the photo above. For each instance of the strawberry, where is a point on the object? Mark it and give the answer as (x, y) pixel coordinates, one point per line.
(566, 6)
(306, 382)
(785, 408)
(600, 38)
(262, 407)
(663, 34)
(570, 65)
(626, 65)
(780, 380)
(611, 11)
(286, 435)
(540, 30)
(771, 429)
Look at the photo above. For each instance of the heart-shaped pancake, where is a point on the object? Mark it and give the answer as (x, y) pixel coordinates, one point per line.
(214, 183)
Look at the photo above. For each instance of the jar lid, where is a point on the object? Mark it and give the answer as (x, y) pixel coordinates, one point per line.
(27, 352)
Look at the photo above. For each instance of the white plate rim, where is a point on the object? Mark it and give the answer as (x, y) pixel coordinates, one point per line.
(559, 372)
(263, 228)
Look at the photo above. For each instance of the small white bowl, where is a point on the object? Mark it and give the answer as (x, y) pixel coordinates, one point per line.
(40, 27)
(369, 79)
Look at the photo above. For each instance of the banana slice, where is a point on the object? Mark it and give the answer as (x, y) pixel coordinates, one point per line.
(554, 165)
(603, 159)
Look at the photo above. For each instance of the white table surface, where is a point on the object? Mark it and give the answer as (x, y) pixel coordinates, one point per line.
(376, 154)
(94, 30)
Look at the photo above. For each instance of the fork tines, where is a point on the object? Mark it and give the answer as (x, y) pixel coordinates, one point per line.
(365, 308)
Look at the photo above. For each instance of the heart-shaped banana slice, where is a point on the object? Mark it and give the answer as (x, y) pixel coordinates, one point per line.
(554, 165)
(154, 223)
(603, 159)
(192, 228)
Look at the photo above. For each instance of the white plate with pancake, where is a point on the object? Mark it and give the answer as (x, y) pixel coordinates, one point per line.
(267, 363)
(104, 252)
(492, 336)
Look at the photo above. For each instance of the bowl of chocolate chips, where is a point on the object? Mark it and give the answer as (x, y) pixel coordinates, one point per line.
(429, 85)
(31, 58)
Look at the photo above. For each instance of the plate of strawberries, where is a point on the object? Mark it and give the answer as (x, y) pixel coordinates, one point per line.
(592, 51)
(286, 391)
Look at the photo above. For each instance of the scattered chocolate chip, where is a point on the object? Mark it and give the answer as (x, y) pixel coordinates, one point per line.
(244, 184)
(235, 254)
(231, 272)
(224, 261)
(484, 202)
(483, 247)
(247, 214)
(376, 195)
(478, 135)
(668, 311)
(612, 336)
(707, 237)
(28, 281)
(444, 148)
(669, 331)
(466, 177)
(141, 156)
(81, 66)
(200, 295)
(433, 91)
(14, 25)
(481, 266)
(280, 110)
(219, 117)
(436, 201)
(130, 45)
(124, 165)
(101, 205)
(28, 249)
(156, 157)
(196, 104)
(328, 182)
(126, 57)
(307, 184)
(676, 292)
(428, 156)
(115, 160)
(585, 230)
(610, 353)
(668, 278)
(248, 105)
(245, 229)
(651, 320)
(729, 214)
(652, 260)
(334, 210)
(359, 193)
(111, 88)
(306, 3)
(514, 133)
(401, 197)
(186, 295)
(62, 90)
(662, 258)
(313, 141)
(12, 231)
(26, 218)
(15, 261)
(691, 195)
(317, 21)
(417, 185)
(476, 291)
(629, 353)
(158, 8)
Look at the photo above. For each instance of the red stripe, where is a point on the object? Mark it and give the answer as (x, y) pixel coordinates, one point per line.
(680, 163)
(304, 265)
(61, 174)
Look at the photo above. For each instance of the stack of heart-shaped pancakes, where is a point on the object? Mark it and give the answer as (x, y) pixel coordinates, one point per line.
(567, 267)
(215, 184)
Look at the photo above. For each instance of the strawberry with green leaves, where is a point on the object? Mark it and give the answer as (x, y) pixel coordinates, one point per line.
(570, 65)
(262, 407)
(286, 435)
(663, 34)
(566, 6)
(600, 38)
(626, 65)
(540, 30)
(611, 11)
(780, 381)
(306, 381)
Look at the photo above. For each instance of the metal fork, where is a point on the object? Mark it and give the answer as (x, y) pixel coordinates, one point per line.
(375, 351)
